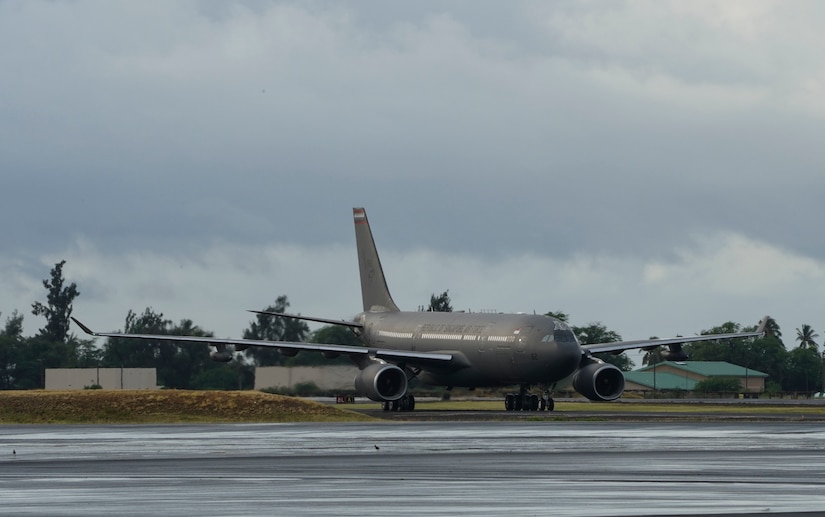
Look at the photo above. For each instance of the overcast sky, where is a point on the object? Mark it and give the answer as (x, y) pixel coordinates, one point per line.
(655, 166)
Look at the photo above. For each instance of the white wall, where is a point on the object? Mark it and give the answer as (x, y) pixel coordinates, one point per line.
(325, 377)
(107, 378)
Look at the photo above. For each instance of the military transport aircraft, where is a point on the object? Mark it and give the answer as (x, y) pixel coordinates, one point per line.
(453, 348)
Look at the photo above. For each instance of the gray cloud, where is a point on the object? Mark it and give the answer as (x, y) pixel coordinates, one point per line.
(560, 130)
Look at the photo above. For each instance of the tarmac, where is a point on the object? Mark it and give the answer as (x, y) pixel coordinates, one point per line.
(700, 410)
(415, 468)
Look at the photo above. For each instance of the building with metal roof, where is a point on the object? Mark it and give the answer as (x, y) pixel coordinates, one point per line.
(683, 376)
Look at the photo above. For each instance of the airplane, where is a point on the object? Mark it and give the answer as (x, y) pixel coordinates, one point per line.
(453, 349)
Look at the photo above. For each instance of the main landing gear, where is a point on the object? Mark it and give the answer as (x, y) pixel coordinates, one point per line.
(405, 403)
(523, 401)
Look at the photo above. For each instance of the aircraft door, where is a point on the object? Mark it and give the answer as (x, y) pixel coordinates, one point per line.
(521, 352)
(373, 336)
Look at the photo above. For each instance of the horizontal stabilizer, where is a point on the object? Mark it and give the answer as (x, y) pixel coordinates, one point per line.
(344, 323)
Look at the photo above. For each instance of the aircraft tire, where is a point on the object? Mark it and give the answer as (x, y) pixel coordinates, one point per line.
(509, 402)
(542, 404)
(406, 403)
(550, 405)
(534, 402)
(385, 406)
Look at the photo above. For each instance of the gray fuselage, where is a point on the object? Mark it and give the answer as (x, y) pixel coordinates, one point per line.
(489, 349)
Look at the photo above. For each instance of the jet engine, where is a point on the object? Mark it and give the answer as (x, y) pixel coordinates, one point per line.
(598, 380)
(381, 382)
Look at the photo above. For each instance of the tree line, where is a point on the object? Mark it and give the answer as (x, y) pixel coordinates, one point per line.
(798, 370)
(23, 360)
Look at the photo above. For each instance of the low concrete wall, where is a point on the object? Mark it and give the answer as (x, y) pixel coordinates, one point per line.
(325, 377)
(107, 378)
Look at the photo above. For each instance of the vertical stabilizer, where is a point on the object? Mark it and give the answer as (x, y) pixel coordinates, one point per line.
(374, 289)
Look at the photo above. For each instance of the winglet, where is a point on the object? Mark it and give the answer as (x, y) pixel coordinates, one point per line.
(86, 329)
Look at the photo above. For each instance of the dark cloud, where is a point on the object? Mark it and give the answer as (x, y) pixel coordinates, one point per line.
(475, 128)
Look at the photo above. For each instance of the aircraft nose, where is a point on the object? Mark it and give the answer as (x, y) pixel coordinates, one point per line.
(566, 358)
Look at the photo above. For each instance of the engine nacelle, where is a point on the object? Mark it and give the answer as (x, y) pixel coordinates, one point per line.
(381, 382)
(598, 380)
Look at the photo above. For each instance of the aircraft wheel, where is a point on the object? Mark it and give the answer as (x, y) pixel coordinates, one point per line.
(519, 403)
(406, 403)
(509, 402)
(542, 404)
(550, 405)
(385, 406)
(534, 402)
(395, 405)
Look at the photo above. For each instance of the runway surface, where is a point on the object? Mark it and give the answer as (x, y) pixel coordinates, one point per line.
(420, 468)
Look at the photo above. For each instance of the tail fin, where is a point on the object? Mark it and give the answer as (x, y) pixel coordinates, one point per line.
(374, 289)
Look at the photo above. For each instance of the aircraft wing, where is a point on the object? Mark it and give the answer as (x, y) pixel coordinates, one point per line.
(422, 359)
(620, 346)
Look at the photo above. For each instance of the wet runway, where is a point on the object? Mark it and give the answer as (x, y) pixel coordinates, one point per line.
(420, 468)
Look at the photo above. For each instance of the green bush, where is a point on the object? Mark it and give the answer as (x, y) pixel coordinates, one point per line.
(719, 385)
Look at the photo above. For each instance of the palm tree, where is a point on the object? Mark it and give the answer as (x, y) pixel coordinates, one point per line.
(440, 303)
(652, 355)
(806, 337)
(562, 316)
(772, 328)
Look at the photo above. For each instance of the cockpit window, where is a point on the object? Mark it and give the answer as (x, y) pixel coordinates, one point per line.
(548, 338)
(564, 336)
(560, 325)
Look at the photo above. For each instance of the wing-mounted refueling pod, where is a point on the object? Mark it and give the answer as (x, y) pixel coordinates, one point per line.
(222, 353)
(674, 353)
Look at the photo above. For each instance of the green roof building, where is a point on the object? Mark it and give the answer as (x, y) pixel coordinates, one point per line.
(669, 376)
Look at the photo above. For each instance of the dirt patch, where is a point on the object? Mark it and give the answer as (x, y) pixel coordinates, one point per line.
(162, 406)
